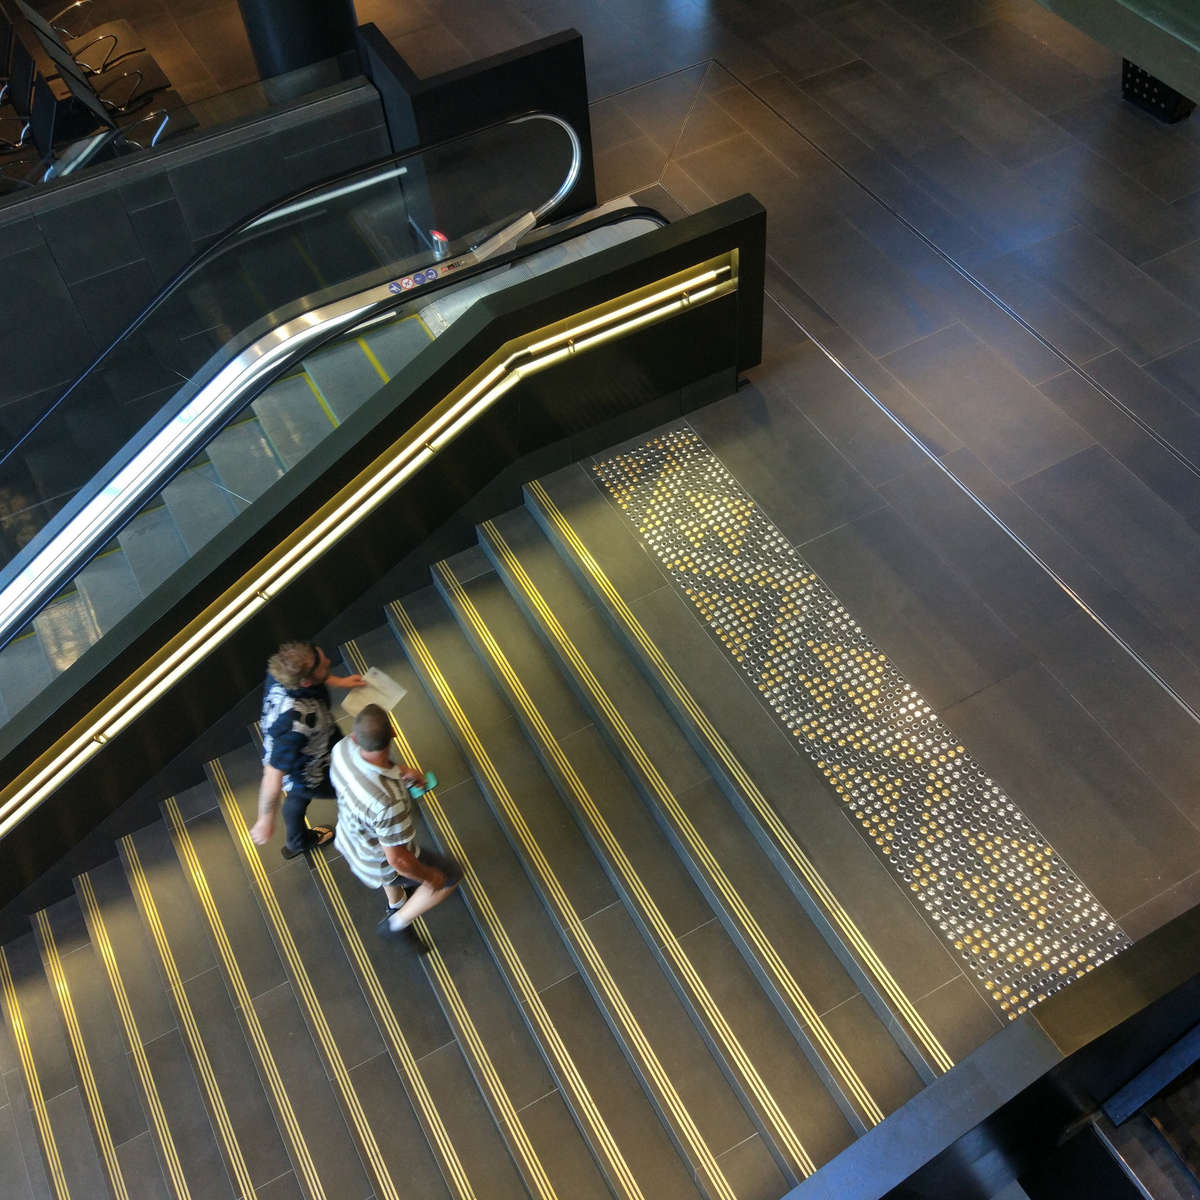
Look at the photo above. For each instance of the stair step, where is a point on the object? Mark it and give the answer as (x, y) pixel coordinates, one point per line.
(251, 1146)
(60, 1115)
(699, 1108)
(787, 1100)
(111, 1095)
(200, 504)
(157, 1050)
(294, 417)
(108, 585)
(597, 1085)
(397, 343)
(152, 547)
(244, 460)
(317, 1136)
(807, 981)
(884, 942)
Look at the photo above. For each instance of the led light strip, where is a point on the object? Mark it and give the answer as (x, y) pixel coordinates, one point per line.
(349, 507)
(597, 1132)
(701, 1155)
(87, 1079)
(765, 951)
(140, 887)
(241, 994)
(98, 933)
(702, 998)
(749, 789)
(37, 1102)
(385, 1187)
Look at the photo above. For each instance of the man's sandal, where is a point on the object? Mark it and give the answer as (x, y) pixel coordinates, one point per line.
(319, 835)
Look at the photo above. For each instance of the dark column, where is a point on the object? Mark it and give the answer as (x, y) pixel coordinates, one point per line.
(288, 34)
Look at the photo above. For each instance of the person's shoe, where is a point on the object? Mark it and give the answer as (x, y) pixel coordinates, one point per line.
(318, 835)
(407, 938)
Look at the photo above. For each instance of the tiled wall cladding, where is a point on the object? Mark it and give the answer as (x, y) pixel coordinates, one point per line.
(1007, 903)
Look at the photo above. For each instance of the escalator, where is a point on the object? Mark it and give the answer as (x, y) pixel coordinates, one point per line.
(115, 485)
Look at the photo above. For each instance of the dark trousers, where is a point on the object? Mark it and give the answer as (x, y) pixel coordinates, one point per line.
(295, 805)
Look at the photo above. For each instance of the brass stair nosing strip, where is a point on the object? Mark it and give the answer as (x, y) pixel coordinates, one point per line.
(706, 862)
(87, 1079)
(293, 1137)
(682, 1123)
(303, 982)
(501, 1104)
(98, 932)
(33, 1087)
(402, 1054)
(789, 848)
(612, 1160)
(144, 899)
(796, 1158)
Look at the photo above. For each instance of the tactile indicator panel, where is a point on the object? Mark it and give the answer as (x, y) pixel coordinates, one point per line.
(1015, 912)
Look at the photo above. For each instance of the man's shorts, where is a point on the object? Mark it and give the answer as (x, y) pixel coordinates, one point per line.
(431, 858)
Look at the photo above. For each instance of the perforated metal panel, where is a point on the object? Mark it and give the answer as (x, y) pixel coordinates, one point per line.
(1007, 903)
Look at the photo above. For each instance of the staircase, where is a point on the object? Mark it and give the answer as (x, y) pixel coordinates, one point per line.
(673, 969)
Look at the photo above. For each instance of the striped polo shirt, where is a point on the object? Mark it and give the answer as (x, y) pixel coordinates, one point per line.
(373, 811)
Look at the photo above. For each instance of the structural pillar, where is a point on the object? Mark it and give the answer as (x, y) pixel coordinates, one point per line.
(288, 34)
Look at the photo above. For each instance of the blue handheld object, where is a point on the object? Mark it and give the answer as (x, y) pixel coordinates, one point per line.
(430, 782)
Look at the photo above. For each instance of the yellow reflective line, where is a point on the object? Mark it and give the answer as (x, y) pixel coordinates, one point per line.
(140, 887)
(730, 1042)
(384, 1184)
(749, 789)
(316, 391)
(452, 1164)
(601, 1136)
(241, 996)
(780, 972)
(362, 342)
(619, 1006)
(470, 1035)
(98, 932)
(87, 1078)
(37, 1101)
(428, 332)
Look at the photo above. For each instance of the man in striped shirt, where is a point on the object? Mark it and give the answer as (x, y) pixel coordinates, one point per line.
(376, 834)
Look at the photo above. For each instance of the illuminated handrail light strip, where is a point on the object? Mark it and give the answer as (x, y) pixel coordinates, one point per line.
(344, 511)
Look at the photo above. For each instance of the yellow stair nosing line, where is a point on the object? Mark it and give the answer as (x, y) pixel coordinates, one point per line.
(98, 933)
(704, 1001)
(144, 900)
(651, 1065)
(33, 1087)
(872, 964)
(237, 982)
(747, 922)
(87, 1079)
(575, 1085)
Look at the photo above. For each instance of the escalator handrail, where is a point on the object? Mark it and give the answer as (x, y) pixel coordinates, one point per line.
(304, 196)
(257, 377)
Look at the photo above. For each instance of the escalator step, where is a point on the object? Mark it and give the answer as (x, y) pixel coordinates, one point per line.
(294, 417)
(108, 585)
(345, 375)
(397, 344)
(66, 627)
(244, 460)
(200, 504)
(24, 671)
(153, 547)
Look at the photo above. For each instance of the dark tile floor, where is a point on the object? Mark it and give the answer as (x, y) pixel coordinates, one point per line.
(967, 221)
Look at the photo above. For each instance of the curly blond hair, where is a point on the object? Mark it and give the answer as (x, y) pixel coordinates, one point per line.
(292, 664)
